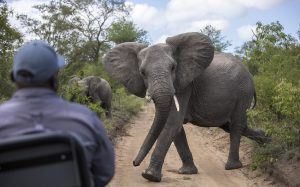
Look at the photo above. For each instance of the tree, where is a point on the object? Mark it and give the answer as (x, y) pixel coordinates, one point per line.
(272, 56)
(216, 37)
(267, 40)
(272, 35)
(9, 38)
(126, 31)
(55, 26)
(75, 27)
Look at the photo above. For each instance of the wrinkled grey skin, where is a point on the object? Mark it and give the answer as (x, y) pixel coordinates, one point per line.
(97, 89)
(213, 90)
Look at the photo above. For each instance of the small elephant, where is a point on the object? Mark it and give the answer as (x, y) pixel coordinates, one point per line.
(97, 89)
(188, 82)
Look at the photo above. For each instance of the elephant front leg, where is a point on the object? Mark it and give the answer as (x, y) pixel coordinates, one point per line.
(166, 137)
(188, 166)
(153, 172)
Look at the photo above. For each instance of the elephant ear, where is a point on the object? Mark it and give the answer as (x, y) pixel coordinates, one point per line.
(193, 52)
(121, 63)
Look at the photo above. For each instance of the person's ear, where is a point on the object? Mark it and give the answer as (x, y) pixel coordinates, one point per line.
(54, 82)
(12, 78)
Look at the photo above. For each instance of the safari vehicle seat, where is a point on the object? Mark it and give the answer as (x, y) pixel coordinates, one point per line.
(53, 159)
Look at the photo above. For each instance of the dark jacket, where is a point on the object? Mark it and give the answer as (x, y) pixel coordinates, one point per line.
(40, 109)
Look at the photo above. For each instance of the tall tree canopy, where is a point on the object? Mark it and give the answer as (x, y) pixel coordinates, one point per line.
(75, 27)
(82, 29)
(219, 41)
(126, 31)
(267, 40)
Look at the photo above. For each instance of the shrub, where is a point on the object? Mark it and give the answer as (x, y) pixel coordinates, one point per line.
(124, 105)
(287, 101)
(274, 58)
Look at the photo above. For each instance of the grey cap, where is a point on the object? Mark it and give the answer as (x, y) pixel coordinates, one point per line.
(39, 59)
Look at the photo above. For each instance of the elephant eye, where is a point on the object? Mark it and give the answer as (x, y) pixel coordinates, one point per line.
(173, 68)
(143, 73)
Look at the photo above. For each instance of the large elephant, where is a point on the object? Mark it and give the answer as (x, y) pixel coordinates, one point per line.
(208, 90)
(98, 89)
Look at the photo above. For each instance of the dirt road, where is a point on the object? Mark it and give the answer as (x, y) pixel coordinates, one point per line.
(209, 160)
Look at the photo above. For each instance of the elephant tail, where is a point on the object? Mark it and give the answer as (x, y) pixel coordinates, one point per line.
(253, 103)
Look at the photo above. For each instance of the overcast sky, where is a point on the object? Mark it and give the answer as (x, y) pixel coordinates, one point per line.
(236, 18)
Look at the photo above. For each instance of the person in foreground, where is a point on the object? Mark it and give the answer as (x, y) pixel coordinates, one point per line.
(35, 107)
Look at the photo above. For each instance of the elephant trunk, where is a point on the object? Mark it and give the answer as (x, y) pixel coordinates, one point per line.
(162, 107)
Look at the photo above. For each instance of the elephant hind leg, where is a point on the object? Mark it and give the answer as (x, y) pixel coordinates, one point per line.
(257, 135)
(236, 128)
(107, 109)
(188, 166)
(108, 113)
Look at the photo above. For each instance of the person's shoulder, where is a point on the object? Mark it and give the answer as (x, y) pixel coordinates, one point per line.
(77, 110)
(83, 113)
(8, 106)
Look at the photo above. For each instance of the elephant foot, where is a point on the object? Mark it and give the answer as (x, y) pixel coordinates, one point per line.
(257, 135)
(233, 164)
(152, 175)
(108, 114)
(261, 138)
(188, 169)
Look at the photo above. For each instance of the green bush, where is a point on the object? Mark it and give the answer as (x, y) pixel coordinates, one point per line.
(76, 94)
(124, 101)
(278, 114)
(275, 57)
(124, 105)
(287, 101)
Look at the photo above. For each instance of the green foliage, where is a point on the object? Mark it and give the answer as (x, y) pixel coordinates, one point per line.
(124, 105)
(126, 31)
(2, 99)
(216, 37)
(124, 101)
(287, 101)
(9, 40)
(55, 26)
(272, 35)
(265, 155)
(77, 29)
(74, 93)
(274, 58)
(269, 42)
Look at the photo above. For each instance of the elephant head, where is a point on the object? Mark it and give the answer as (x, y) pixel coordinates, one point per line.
(161, 70)
(91, 86)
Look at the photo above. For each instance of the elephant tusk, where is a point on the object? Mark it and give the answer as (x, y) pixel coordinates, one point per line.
(148, 97)
(176, 103)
